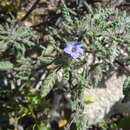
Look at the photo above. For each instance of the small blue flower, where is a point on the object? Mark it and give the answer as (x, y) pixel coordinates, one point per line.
(74, 49)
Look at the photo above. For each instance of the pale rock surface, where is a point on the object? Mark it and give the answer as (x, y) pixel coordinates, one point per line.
(105, 98)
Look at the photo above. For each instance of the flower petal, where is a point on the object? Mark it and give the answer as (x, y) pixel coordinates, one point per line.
(77, 43)
(74, 45)
(80, 51)
(68, 49)
(75, 55)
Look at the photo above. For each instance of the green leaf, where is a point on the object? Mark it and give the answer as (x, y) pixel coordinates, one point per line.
(66, 76)
(6, 65)
(48, 84)
(44, 126)
(125, 124)
(48, 50)
(3, 46)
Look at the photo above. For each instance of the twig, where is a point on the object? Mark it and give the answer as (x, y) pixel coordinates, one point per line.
(88, 7)
(48, 22)
(126, 69)
(39, 81)
(28, 13)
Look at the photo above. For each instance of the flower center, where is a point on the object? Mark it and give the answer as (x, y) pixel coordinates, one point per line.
(74, 49)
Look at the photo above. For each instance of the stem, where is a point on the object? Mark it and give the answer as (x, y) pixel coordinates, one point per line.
(28, 13)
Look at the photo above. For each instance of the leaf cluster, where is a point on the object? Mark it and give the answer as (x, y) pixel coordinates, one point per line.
(30, 72)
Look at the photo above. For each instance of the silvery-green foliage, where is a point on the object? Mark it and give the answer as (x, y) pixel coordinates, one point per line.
(108, 33)
(48, 84)
(22, 75)
(20, 72)
(6, 65)
(126, 89)
(102, 29)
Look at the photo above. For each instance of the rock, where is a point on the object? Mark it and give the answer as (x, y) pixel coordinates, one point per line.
(105, 98)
